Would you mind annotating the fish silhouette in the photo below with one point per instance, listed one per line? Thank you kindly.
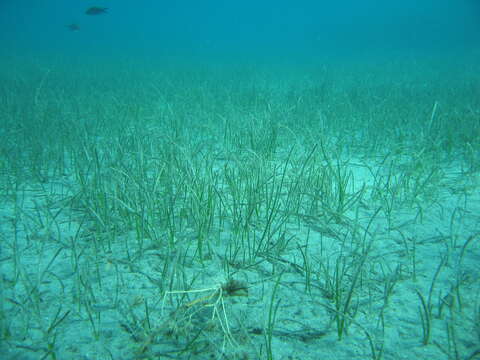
(95, 10)
(73, 27)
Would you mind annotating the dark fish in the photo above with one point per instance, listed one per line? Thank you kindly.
(73, 27)
(95, 10)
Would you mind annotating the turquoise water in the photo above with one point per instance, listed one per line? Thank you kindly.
(244, 181)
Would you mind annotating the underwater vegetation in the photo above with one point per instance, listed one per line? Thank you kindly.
(173, 213)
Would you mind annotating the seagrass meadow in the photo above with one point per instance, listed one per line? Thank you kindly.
(165, 211)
